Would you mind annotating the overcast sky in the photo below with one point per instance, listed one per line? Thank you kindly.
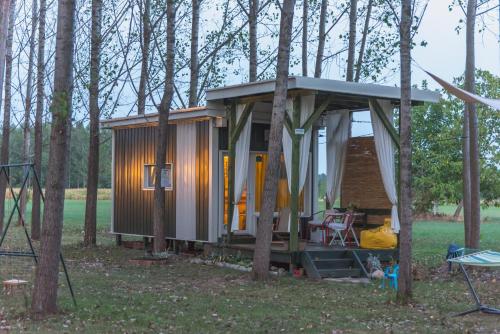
(444, 56)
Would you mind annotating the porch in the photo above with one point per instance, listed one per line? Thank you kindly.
(360, 173)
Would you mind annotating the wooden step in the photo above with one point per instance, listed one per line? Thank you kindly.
(329, 254)
(333, 263)
(336, 273)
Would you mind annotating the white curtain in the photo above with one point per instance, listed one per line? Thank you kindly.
(337, 135)
(242, 150)
(306, 109)
(385, 156)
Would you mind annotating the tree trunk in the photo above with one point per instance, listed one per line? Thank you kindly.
(353, 16)
(5, 13)
(4, 153)
(456, 214)
(252, 25)
(321, 39)
(28, 101)
(89, 238)
(44, 299)
(193, 64)
(470, 82)
(366, 30)
(305, 18)
(264, 228)
(405, 236)
(40, 95)
(146, 42)
(161, 148)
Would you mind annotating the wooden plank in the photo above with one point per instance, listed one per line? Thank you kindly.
(385, 121)
(294, 194)
(231, 116)
(241, 122)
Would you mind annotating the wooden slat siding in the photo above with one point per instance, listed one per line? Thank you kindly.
(202, 170)
(133, 210)
(362, 182)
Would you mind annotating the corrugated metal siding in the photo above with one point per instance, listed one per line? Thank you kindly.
(133, 207)
(186, 181)
(202, 179)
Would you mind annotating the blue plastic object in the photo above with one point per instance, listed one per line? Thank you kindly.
(391, 276)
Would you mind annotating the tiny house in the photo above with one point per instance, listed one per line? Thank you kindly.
(217, 156)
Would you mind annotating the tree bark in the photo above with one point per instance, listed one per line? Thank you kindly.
(44, 299)
(5, 13)
(264, 228)
(305, 18)
(405, 236)
(194, 63)
(28, 101)
(321, 39)
(470, 82)
(4, 153)
(89, 238)
(456, 214)
(40, 96)
(366, 30)
(146, 42)
(162, 135)
(351, 51)
(252, 31)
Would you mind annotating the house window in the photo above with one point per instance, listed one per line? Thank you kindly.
(166, 177)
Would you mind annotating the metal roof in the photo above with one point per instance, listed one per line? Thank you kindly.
(352, 90)
(175, 116)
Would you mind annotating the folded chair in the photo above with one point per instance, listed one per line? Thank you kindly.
(341, 230)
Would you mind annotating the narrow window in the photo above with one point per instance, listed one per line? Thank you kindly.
(166, 177)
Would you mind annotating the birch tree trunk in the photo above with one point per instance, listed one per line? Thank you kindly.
(28, 101)
(364, 37)
(470, 83)
(5, 13)
(89, 238)
(40, 96)
(321, 39)
(405, 234)
(44, 299)
(252, 32)
(162, 134)
(351, 51)
(145, 45)
(264, 228)
(4, 153)
(305, 18)
(193, 64)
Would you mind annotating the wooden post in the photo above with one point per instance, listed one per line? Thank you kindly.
(231, 116)
(294, 194)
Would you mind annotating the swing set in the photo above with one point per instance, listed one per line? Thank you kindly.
(28, 169)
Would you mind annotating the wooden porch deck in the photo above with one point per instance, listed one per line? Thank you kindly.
(281, 254)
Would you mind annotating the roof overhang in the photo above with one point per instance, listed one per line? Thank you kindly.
(350, 91)
(152, 119)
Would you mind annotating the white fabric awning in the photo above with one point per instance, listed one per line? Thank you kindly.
(465, 95)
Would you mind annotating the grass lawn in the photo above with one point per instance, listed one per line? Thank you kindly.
(117, 297)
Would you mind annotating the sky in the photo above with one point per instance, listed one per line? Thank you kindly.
(444, 56)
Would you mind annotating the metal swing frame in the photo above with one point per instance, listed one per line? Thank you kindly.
(28, 168)
(479, 307)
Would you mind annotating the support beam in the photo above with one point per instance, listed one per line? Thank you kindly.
(315, 115)
(294, 193)
(241, 122)
(288, 124)
(387, 124)
(231, 116)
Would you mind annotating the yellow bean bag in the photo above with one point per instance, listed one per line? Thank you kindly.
(379, 238)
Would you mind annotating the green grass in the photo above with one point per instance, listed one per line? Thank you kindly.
(489, 214)
(117, 297)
